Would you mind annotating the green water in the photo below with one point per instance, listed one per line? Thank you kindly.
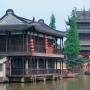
(80, 83)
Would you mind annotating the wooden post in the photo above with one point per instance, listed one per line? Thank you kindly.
(60, 67)
(32, 45)
(56, 42)
(23, 42)
(46, 44)
(47, 66)
(44, 66)
(37, 65)
(27, 42)
(56, 65)
(23, 65)
(9, 61)
(26, 66)
(60, 43)
(6, 42)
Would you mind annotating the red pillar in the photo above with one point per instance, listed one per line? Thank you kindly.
(46, 43)
(32, 46)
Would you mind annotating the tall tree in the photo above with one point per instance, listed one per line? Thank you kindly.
(52, 21)
(72, 45)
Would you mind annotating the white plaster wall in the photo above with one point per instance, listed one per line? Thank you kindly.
(3, 72)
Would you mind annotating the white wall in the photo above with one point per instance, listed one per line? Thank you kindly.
(3, 71)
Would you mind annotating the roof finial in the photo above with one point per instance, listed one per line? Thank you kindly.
(10, 11)
(33, 19)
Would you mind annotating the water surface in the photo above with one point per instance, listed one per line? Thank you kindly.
(80, 83)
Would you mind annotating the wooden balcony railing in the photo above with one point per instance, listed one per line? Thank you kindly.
(54, 51)
(84, 42)
(35, 71)
(85, 48)
(57, 51)
(40, 49)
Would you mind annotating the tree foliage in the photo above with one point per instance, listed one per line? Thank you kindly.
(72, 45)
(52, 21)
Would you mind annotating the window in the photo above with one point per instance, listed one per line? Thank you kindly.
(15, 43)
(39, 44)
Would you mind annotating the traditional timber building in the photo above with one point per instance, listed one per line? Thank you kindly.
(31, 47)
(83, 28)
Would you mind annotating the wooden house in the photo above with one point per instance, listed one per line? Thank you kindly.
(31, 47)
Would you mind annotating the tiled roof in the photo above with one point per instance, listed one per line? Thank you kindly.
(11, 19)
(11, 22)
(83, 16)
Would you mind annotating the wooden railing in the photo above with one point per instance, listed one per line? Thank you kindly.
(57, 51)
(54, 51)
(35, 71)
(85, 48)
(18, 71)
(84, 42)
(40, 49)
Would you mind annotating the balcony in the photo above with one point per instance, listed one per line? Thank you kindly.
(84, 42)
(85, 47)
(49, 50)
(21, 72)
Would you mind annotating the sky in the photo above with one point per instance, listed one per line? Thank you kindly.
(42, 9)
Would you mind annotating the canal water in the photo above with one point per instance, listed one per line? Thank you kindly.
(80, 83)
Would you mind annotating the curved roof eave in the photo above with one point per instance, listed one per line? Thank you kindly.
(48, 31)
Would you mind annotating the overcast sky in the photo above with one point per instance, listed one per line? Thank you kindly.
(44, 8)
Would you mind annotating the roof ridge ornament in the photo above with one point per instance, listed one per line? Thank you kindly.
(9, 11)
(41, 21)
(33, 19)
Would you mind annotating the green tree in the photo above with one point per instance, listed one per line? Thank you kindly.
(72, 45)
(52, 21)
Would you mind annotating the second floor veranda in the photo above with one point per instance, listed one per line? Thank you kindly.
(21, 44)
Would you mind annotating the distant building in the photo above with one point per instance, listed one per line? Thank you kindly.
(83, 28)
(30, 46)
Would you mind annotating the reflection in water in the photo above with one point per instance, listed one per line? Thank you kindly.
(80, 83)
(2, 86)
